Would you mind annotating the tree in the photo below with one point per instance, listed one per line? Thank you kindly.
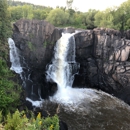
(70, 13)
(122, 15)
(104, 19)
(58, 17)
(27, 11)
(39, 14)
(5, 25)
(89, 20)
(16, 12)
(69, 4)
(9, 90)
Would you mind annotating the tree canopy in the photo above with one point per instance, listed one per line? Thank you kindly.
(114, 17)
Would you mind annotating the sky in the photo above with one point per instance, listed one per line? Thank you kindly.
(81, 5)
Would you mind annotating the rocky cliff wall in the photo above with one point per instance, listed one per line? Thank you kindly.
(105, 63)
(103, 55)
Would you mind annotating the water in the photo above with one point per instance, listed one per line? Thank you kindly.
(81, 109)
(60, 69)
(18, 65)
(14, 57)
(102, 112)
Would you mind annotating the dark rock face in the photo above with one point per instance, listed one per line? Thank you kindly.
(103, 55)
(104, 59)
(36, 38)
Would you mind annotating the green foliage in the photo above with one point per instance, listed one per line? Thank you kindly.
(28, 11)
(89, 19)
(51, 123)
(39, 14)
(104, 19)
(116, 17)
(30, 45)
(9, 90)
(58, 17)
(15, 121)
(45, 44)
(1, 116)
(5, 26)
(19, 121)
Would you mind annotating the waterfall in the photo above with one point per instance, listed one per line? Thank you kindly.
(14, 57)
(63, 63)
(62, 71)
(17, 65)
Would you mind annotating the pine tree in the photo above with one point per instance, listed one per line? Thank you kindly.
(5, 26)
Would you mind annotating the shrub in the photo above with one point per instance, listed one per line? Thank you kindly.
(15, 121)
(9, 90)
(19, 121)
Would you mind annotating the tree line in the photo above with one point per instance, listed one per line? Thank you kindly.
(116, 17)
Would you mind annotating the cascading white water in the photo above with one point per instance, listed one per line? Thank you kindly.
(14, 57)
(59, 70)
(18, 66)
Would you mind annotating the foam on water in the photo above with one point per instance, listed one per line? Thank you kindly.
(35, 103)
(74, 95)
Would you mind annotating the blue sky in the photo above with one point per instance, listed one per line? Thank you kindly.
(82, 5)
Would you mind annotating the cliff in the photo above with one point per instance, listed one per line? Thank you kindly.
(103, 55)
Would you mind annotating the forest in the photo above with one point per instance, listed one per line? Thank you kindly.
(115, 17)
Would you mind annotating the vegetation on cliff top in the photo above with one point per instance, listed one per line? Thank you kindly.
(115, 17)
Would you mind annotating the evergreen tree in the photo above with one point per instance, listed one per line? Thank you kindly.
(5, 26)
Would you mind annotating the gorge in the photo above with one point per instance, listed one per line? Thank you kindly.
(96, 58)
